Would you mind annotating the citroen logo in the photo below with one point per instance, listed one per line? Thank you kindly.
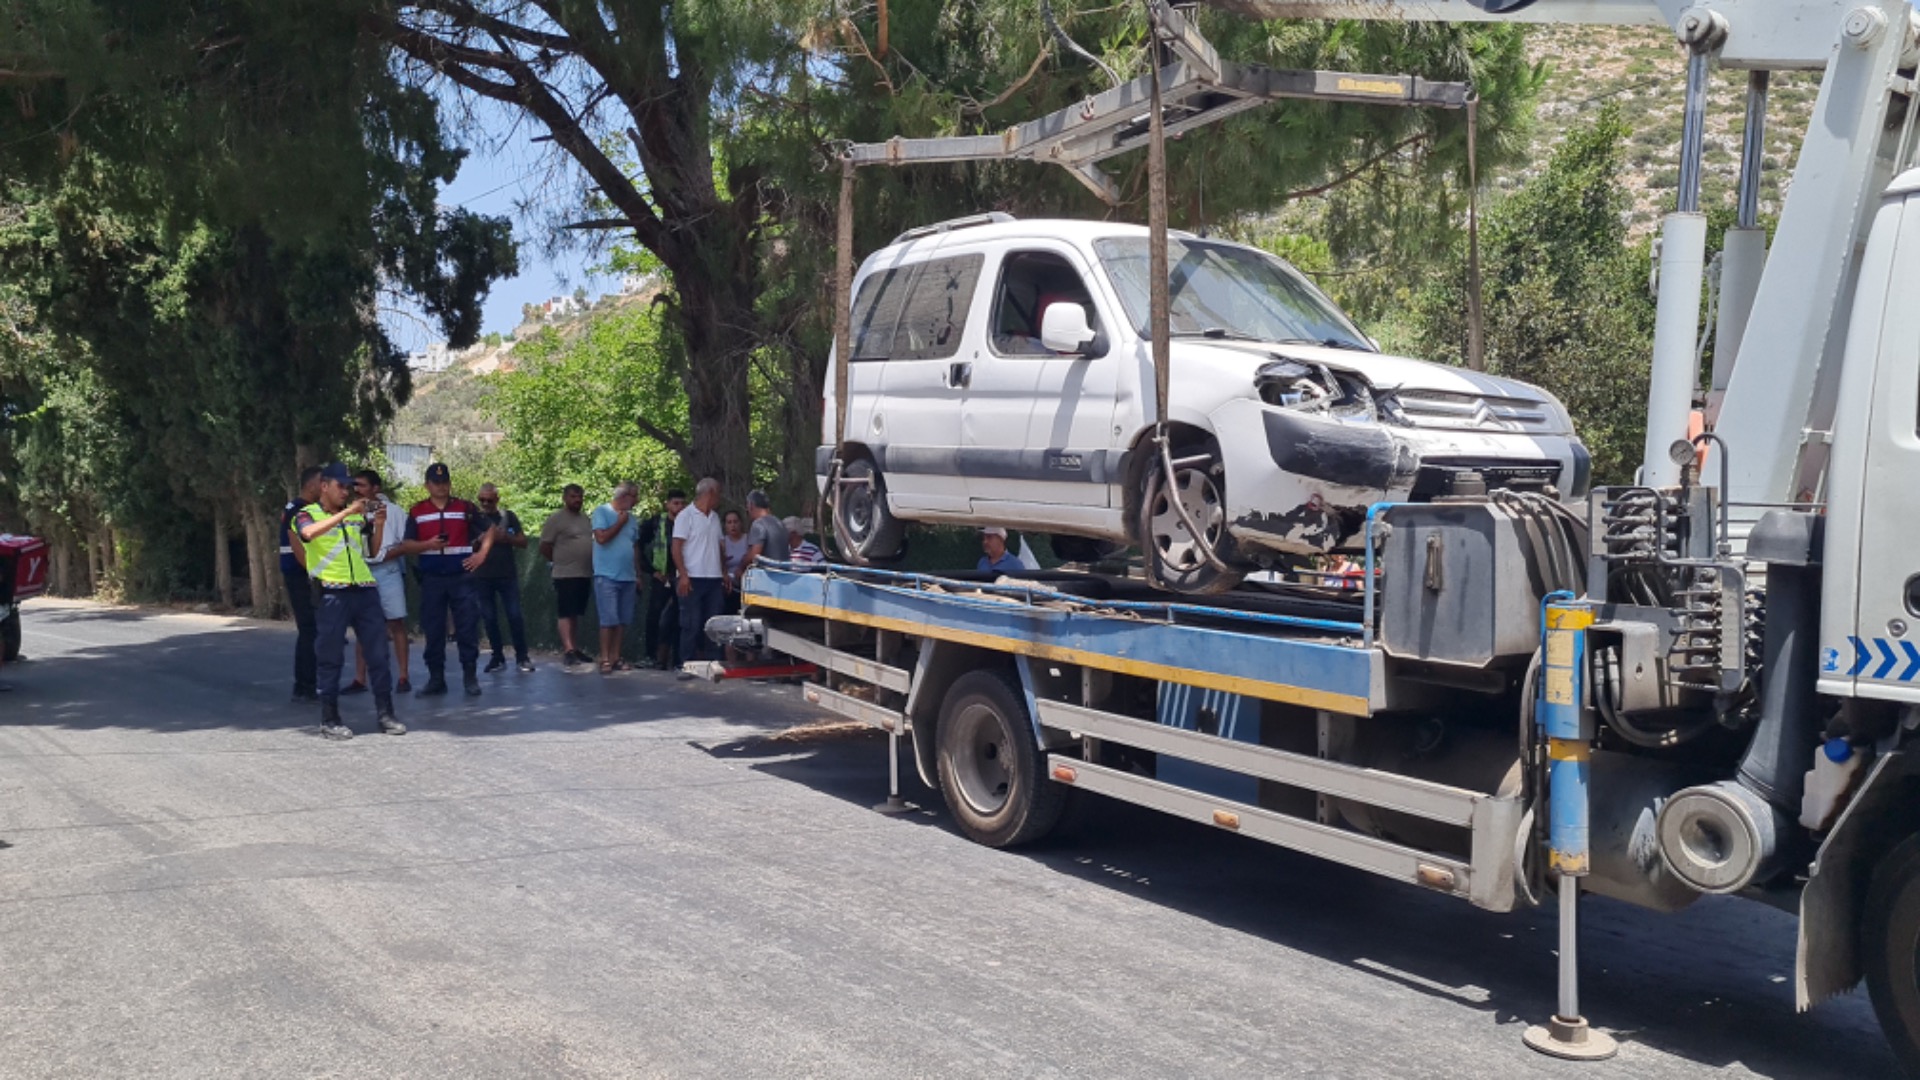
(1482, 415)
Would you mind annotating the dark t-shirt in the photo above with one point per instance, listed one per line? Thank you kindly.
(289, 564)
(500, 561)
(771, 534)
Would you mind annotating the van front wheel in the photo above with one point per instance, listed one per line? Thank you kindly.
(1176, 558)
(863, 527)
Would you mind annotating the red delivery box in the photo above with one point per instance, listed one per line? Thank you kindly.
(27, 555)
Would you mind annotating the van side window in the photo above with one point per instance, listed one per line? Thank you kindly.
(935, 316)
(1030, 282)
(916, 312)
(876, 311)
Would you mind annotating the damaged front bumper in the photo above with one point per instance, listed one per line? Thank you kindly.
(1301, 483)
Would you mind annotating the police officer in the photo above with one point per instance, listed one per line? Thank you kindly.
(337, 538)
(293, 573)
(452, 542)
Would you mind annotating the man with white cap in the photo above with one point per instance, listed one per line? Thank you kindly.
(994, 555)
(799, 548)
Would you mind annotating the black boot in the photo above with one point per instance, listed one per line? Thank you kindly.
(436, 684)
(390, 723)
(330, 725)
(472, 681)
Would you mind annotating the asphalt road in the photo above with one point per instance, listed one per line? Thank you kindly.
(628, 877)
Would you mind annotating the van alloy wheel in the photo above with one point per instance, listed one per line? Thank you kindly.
(1175, 559)
(1200, 496)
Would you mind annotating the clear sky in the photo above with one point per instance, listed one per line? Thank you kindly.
(504, 171)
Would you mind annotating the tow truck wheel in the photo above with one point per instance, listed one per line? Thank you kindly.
(1890, 950)
(992, 774)
(10, 636)
(1176, 559)
(863, 527)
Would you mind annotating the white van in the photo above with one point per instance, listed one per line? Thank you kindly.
(1002, 374)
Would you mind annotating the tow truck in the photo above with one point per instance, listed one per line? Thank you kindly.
(1703, 683)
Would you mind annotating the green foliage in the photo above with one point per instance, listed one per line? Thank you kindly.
(702, 135)
(1567, 306)
(576, 411)
(206, 206)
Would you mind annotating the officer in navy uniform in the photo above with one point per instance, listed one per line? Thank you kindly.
(337, 538)
(443, 531)
(293, 574)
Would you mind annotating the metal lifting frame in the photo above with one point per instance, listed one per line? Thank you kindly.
(1194, 89)
(1197, 88)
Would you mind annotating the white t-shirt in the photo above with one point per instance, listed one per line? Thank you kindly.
(702, 533)
(395, 532)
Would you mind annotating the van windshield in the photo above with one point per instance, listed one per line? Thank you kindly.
(1227, 291)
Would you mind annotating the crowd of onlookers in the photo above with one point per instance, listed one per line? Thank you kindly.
(671, 571)
(345, 545)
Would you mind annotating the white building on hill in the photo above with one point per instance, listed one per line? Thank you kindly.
(434, 358)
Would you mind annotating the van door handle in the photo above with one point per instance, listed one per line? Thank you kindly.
(959, 375)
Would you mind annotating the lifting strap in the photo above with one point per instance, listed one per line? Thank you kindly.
(1476, 313)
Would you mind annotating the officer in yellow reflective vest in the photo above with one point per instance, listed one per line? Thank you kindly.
(338, 538)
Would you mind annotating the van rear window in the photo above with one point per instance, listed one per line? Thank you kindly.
(916, 312)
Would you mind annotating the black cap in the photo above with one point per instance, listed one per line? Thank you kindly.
(438, 473)
(337, 471)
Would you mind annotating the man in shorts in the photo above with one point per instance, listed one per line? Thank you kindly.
(566, 541)
(616, 572)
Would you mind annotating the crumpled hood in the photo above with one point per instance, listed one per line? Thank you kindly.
(1383, 371)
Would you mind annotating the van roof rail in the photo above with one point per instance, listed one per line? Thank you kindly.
(995, 217)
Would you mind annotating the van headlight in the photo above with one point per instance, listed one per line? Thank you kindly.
(1316, 389)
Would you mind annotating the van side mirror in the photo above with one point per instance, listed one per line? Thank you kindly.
(1064, 329)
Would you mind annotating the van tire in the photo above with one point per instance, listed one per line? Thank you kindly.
(864, 528)
(993, 774)
(1172, 563)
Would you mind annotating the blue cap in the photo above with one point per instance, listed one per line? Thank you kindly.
(1838, 751)
(337, 471)
(438, 473)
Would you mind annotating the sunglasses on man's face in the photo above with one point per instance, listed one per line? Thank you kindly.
(488, 502)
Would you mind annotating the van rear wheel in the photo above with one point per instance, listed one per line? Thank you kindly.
(864, 528)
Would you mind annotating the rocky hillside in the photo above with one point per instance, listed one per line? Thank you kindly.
(1643, 73)
(445, 411)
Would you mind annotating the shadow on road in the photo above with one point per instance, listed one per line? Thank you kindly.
(238, 677)
(1712, 984)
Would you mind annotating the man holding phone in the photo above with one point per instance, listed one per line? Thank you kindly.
(452, 542)
(337, 539)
